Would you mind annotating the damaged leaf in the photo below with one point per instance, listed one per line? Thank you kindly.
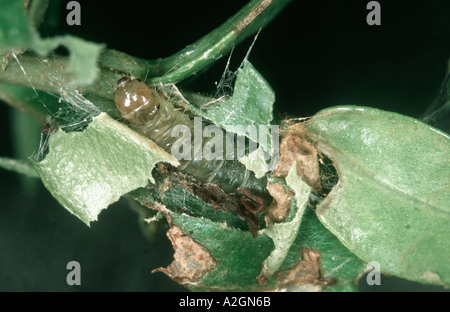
(17, 33)
(284, 256)
(251, 104)
(305, 275)
(181, 199)
(237, 254)
(392, 201)
(256, 162)
(294, 148)
(83, 56)
(281, 204)
(191, 260)
(86, 171)
(339, 268)
(284, 234)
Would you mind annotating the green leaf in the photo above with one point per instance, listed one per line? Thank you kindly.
(238, 256)
(283, 234)
(241, 263)
(438, 113)
(83, 56)
(251, 104)
(15, 30)
(250, 107)
(256, 162)
(86, 171)
(392, 201)
(178, 200)
(340, 268)
(42, 86)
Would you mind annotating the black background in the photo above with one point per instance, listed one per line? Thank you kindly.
(314, 55)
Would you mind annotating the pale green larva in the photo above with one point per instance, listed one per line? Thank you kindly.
(151, 115)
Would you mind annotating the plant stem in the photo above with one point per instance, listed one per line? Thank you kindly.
(199, 55)
(49, 74)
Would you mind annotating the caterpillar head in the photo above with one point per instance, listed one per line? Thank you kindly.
(134, 99)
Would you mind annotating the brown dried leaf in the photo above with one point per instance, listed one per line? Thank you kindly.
(305, 272)
(295, 148)
(191, 260)
(281, 205)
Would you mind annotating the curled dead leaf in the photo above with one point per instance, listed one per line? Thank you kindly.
(294, 147)
(281, 205)
(191, 260)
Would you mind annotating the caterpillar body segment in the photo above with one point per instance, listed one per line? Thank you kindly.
(154, 117)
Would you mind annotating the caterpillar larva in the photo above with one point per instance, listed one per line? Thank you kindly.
(151, 115)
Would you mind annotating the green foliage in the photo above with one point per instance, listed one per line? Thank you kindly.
(15, 29)
(251, 104)
(391, 203)
(17, 32)
(283, 234)
(87, 171)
